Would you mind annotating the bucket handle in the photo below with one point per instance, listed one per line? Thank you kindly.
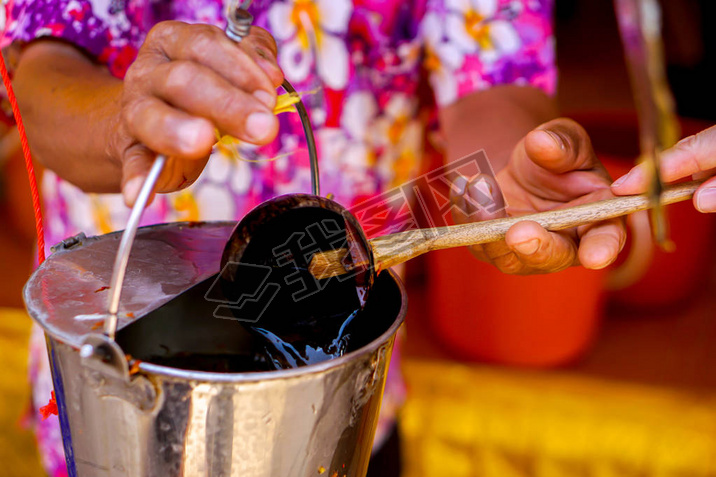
(125, 245)
(100, 351)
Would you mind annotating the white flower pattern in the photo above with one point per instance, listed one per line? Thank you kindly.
(473, 27)
(310, 32)
(442, 59)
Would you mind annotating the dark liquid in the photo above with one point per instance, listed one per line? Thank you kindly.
(266, 312)
(303, 320)
(185, 334)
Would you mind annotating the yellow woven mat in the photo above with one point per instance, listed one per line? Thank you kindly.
(18, 454)
(493, 422)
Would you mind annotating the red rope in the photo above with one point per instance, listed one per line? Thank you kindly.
(28, 161)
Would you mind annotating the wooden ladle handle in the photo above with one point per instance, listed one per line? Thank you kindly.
(393, 249)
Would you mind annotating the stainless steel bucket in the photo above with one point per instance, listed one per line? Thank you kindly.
(165, 421)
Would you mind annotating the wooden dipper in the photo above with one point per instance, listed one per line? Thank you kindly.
(393, 249)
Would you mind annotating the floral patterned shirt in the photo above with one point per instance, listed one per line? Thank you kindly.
(362, 61)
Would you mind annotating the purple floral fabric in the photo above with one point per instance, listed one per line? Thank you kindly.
(359, 61)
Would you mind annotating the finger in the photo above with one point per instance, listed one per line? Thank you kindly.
(560, 146)
(689, 156)
(554, 149)
(538, 250)
(705, 197)
(199, 91)
(261, 47)
(137, 162)
(167, 130)
(476, 198)
(209, 46)
(704, 175)
(601, 243)
(177, 174)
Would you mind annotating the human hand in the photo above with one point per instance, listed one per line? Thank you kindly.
(693, 156)
(552, 167)
(187, 81)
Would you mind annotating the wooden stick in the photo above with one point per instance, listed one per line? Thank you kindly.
(393, 249)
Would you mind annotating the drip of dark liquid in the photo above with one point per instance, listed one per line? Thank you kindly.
(267, 312)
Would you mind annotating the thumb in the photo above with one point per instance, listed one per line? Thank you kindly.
(560, 146)
(135, 168)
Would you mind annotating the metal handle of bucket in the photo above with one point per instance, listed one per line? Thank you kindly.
(101, 352)
(125, 245)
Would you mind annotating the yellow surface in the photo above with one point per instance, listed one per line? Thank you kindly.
(491, 422)
(481, 421)
(18, 455)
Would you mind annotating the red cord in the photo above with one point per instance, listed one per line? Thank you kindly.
(28, 161)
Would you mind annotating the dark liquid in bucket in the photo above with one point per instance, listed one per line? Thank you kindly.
(185, 334)
(268, 312)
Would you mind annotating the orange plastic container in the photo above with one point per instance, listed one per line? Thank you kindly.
(479, 313)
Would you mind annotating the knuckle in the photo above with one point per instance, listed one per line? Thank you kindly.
(161, 31)
(229, 107)
(180, 75)
(689, 143)
(204, 39)
(691, 147)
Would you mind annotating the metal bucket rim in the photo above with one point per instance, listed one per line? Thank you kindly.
(254, 376)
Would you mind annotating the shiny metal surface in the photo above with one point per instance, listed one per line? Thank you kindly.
(171, 422)
(125, 245)
(310, 139)
(238, 20)
(67, 294)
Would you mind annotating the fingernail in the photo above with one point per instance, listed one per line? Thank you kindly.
(266, 98)
(262, 53)
(529, 247)
(555, 137)
(131, 189)
(258, 124)
(706, 200)
(604, 258)
(621, 180)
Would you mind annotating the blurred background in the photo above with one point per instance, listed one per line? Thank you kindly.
(580, 373)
